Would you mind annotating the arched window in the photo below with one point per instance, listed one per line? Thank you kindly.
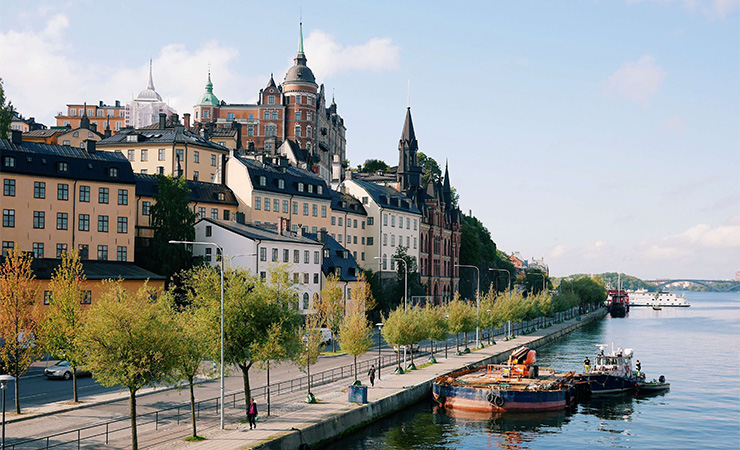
(308, 131)
(297, 131)
(305, 301)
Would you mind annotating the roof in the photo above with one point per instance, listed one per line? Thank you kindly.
(44, 133)
(200, 191)
(44, 268)
(149, 94)
(338, 256)
(35, 158)
(345, 202)
(387, 197)
(168, 135)
(259, 233)
(208, 99)
(291, 176)
(300, 154)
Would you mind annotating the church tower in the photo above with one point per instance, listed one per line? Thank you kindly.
(408, 173)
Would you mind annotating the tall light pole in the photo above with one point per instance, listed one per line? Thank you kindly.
(218, 250)
(508, 279)
(380, 361)
(477, 305)
(4, 379)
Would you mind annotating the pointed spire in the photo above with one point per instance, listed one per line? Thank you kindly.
(151, 81)
(447, 189)
(300, 41)
(84, 121)
(408, 136)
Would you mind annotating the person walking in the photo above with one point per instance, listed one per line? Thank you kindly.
(371, 374)
(252, 414)
(638, 366)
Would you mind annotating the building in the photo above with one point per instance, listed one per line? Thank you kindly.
(295, 110)
(337, 261)
(102, 115)
(520, 264)
(257, 250)
(20, 123)
(56, 198)
(46, 136)
(146, 108)
(167, 148)
(348, 224)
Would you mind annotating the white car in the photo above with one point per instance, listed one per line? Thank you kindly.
(326, 336)
(63, 370)
(414, 348)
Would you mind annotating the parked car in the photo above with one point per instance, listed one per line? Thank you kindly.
(63, 370)
(325, 336)
(414, 348)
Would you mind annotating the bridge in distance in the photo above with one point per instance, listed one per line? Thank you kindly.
(715, 285)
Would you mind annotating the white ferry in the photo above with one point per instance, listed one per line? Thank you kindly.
(642, 297)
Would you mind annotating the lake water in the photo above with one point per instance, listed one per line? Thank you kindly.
(696, 348)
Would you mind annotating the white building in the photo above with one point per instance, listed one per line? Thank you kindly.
(392, 220)
(257, 250)
(145, 109)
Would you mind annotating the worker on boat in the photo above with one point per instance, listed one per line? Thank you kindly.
(638, 366)
(587, 365)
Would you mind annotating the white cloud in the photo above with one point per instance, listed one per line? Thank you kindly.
(558, 251)
(636, 81)
(327, 57)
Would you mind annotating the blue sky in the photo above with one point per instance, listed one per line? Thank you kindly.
(600, 135)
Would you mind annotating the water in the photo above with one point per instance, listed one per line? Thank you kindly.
(696, 348)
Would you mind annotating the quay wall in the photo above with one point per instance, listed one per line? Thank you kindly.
(328, 429)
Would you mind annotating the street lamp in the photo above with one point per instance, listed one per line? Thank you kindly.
(508, 279)
(380, 361)
(218, 250)
(4, 379)
(477, 305)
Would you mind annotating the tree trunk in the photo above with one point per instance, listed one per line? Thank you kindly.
(192, 406)
(431, 347)
(16, 390)
(308, 372)
(247, 390)
(466, 339)
(357, 376)
(132, 413)
(457, 342)
(333, 343)
(75, 398)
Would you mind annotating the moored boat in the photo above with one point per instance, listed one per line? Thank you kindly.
(612, 373)
(658, 385)
(617, 302)
(519, 385)
(642, 297)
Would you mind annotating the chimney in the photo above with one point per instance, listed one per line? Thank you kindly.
(89, 145)
(174, 119)
(162, 121)
(186, 118)
(118, 103)
(16, 137)
(284, 225)
(240, 217)
(101, 103)
(322, 236)
(94, 126)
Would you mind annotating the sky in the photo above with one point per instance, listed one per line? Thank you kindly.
(601, 135)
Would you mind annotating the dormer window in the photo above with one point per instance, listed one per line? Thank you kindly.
(281, 184)
(63, 166)
(76, 134)
(112, 172)
(319, 189)
(263, 180)
(9, 161)
(310, 188)
(132, 138)
(221, 196)
(300, 187)
(327, 253)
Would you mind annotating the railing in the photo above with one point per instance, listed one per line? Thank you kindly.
(104, 432)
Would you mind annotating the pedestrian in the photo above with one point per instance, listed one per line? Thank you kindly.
(587, 365)
(252, 414)
(638, 366)
(371, 374)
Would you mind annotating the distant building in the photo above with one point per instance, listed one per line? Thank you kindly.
(338, 261)
(147, 107)
(102, 115)
(520, 264)
(25, 125)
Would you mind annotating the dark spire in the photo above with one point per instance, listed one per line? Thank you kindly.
(408, 137)
(408, 173)
(84, 121)
(300, 57)
(107, 133)
(447, 189)
(271, 83)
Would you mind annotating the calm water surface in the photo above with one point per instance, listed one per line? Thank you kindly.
(696, 348)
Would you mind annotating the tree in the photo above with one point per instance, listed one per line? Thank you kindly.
(478, 249)
(309, 352)
(6, 113)
(372, 166)
(64, 321)
(431, 169)
(461, 319)
(533, 280)
(414, 285)
(131, 340)
(490, 316)
(356, 333)
(330, 307)
(435, 325)
(19, 321)
(404, 327)
(172, 219)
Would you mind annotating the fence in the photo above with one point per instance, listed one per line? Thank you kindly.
(106, 431)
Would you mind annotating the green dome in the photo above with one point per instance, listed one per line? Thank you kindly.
(208, 98)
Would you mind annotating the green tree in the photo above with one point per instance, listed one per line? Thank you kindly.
(6, 113)
(490, 316)
(404, 327)
(436, 326)
(355, 333)
(535, 279)
(478, 249)
(461, 319)
(131, 340)
(372, 166)
(172, 219)
(19, 320)
(431, 169)
(330, 306)
(64, 321)
(409, 263)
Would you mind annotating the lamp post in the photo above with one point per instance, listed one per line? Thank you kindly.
(508, 279)
(477, 305)
(4, 379)
(380, 361)
(218, 250)
(447, 338)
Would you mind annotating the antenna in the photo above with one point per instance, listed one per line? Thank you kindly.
(408, 95)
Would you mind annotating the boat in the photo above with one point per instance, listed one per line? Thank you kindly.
(617, 302)
(612, 373)
(658, 385)
(519, 385)
(657, 307)
(642, 297)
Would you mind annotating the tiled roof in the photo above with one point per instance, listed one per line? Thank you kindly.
(260, 233)
(347, 203)
(387, 197)
(291, 176)
(96, 270)
(34, 158)
(338, 257)
(200, 191)
(43, 133)
(157, 135)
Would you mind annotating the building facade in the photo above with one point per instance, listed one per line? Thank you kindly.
(102, 115)
(145, 109)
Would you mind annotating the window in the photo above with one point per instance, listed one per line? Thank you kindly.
(102, 253)
(298, 131)
(305, 209)
(121, 253)
(310, 188)
(122, 225)
(364, 200)
(315, 210)
(113, 172)
(8, 217)
(319, 189)
(63, 167)
(414, 224)
(61, 249)
(370, 240)
(281, 184)
(385, 262)
(308, 132)
(62, 191)
(267, 115)
(209, 253)
(408, 223)
(305, 281)
(196, 174)
(333, 220)
(362, 256)
(179, 154)
(363, 224)
(323, 210)
(132, 155)
(393, 221)
(62, 221)
(213, 160)
(227, 214)
(316, 257)
(306, 257)
(270, 99)
(298, 115)
(7, 246)
(305, 297)
(103, 224)
(146, 208)
(385, 238)
(385, 220)
(202, 212)
(363, 240)
(9, 187)
(196, 156)
(313, 230)
(371, 220)
(339, 238)
(250, 130)
(285, 206)
(9, 161)
(414, 241)
(39, 219)
(263, 254)
(83, 222)
(214, 213)
(296, 256)
(39, 189)
(84, 193)
(84, 251)
(295, 207)
(230, 116)
(72, 111)
(123, 196)
(407, 241)
(145, 155)
(267, 203)
(286, 255)
(76, 134)
(258, 203)
(103, 195)
(274, 255)
(354, 239)
(161, 155)
(316, 278)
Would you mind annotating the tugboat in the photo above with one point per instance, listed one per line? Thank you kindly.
(612, 373)
(519, 385)
(617, 302)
